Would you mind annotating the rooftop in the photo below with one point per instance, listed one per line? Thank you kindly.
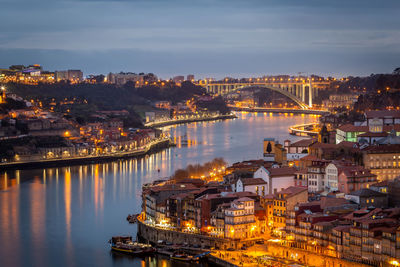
(365, 192)
(382, 114)
(253, 181)
(383, 149)
(292, 190)
(283, 171)
(303, 143)
(381, 184)
(371, 134)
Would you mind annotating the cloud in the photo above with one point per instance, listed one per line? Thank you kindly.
(212, 28)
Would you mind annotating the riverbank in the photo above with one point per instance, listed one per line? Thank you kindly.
(188, 120)
(282, 110)
(228, 252)
(300, 129)
(272, 254)
(152, 147)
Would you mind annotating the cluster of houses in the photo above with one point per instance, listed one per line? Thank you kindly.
(28, 132)
(339, 199)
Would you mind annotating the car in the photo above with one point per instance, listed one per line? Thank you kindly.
(260, 242)
(230, 249)
(243, 248)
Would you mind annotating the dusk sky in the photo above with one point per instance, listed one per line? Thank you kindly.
(210, 38)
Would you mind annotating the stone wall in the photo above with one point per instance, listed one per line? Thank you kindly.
(153, 234)
(308, 258)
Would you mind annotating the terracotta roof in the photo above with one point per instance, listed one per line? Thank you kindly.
(383, 149)
(173, 187)
(370, 134)
(348, 144)
(292, 190)
(364, 213)
(269, 197)
(252, 181)
(327, 202)
(323, 145)
(343, 228)
(365, 192)
(381, 184)
(303, 143)
(180, 196)
(382, 113)
(227, 195)
(353, 128)
(356, 172)
(309, 157)
(242, 199)
(283, 171)
(385, 229)
(364, 129)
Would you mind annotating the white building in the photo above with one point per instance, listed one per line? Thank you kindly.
(254, 185)
(331, 177)
(277, 178)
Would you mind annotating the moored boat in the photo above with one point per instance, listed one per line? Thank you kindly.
(181, 256)
(125, 244)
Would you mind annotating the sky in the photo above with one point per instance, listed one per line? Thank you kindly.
(208, 38)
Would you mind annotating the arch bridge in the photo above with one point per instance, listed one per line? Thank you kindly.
(294, 91)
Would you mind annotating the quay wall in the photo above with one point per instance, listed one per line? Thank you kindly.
(220, 262)
(153, 234)
(308, 258)
(86, 160)
(173, 122)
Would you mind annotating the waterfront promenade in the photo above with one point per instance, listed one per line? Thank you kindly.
(272, 254)
(155, 145)
(227, 252)
(300, 129)
(280, 110)
(194, 118)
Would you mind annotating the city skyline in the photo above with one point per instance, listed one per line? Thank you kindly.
(209, 39)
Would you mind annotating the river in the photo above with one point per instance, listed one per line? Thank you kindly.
(65, 216)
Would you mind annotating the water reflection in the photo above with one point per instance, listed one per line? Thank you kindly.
(64, 216)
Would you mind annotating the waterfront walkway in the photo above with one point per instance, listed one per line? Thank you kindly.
(194, 118)
(272, 254)
(280, 110)
(140, 151)
(300, 129)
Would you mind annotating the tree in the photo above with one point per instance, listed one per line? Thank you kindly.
(269, 148)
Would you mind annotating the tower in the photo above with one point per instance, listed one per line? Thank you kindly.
(310, 94)
(2, 95)
(323, 135)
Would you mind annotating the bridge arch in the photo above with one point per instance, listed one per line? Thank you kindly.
(297, 100)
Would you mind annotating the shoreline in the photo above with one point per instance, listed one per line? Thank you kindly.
(278, 110)
(62, 162)
(296, 129)
(181, 121)
(222, 257)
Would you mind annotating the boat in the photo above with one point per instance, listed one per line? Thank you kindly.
(132, 218)
(181, 256)
(124, 244)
